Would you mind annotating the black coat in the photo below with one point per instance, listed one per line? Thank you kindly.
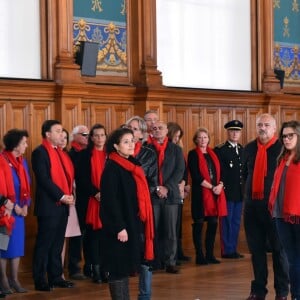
(148, 159)
(119, 210)
(231, 170)
(84, 187)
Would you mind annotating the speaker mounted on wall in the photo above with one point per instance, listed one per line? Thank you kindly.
(279, 74)
(86, 57)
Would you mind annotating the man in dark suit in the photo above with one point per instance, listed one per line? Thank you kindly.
(171, 167)
(230, 155)
(54, 175)
(79, 141)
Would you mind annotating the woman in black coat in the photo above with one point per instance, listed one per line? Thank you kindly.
(121, 212)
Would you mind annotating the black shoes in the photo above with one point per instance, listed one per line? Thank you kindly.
(212, 260)
(45, 287)
(63, 284)
(233, 255)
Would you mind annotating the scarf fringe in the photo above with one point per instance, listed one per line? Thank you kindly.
(292, 219)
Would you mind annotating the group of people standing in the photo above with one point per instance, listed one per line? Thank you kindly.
(118, 199)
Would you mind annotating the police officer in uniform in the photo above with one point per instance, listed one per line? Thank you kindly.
(230, 155)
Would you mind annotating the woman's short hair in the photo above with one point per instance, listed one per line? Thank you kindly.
(13, 137)
(115, 138)
(200, 129)
(141, 121)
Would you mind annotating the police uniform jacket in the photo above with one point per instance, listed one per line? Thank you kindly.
(231, 170)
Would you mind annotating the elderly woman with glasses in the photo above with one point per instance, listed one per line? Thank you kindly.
(285, 198)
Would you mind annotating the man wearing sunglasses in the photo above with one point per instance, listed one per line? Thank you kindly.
(79, 141)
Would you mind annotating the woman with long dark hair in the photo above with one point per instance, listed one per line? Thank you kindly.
(91, 163)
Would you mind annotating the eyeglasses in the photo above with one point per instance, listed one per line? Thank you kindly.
(84, 134)
(288, 136)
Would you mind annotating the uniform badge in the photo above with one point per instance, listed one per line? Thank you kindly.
(230, 164)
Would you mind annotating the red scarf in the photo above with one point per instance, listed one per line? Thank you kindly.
(97, 165)
(137, 148)
(61, 168)
(150, 139)
(144, 200)
(160, 149)
(6, 220)
(212, 206)
(291, 198)
(260, 169)
(7, 188)
(17, 164)
(76, 146)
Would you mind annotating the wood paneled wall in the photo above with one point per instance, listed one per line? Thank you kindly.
(63, 94)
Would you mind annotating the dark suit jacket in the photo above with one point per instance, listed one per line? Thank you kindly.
(173, 168)
(48, 194)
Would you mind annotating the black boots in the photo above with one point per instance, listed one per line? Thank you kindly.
(197, 239)
(119, 289)
(96, 275)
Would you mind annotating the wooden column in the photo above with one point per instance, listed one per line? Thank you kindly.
(150, 76)
(66, 71)
(270, 84)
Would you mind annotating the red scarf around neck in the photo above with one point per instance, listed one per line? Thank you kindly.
(212, 206)
(137, 148)
(260, 169)
(291, 207)
(97, 165)
(7, 188)
(76, 146)
(61, 168)
(144, 200)
(17, 164)
(160, 149)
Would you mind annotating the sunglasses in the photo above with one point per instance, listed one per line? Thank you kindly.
(84, 134)
(288, 136)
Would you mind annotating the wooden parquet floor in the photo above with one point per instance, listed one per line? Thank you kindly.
(229, 280)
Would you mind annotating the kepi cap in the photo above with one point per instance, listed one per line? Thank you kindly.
(234, 124)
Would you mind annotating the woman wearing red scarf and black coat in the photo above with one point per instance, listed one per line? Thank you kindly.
(260, 156)
(125, 207)
(208, 197)
(88, 171)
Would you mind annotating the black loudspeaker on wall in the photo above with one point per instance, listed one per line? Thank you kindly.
(86, 57)
(280, 75)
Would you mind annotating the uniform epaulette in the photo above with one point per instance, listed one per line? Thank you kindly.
(220, 145)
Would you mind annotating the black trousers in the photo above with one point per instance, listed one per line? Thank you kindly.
(50, 237)
(259, 227)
